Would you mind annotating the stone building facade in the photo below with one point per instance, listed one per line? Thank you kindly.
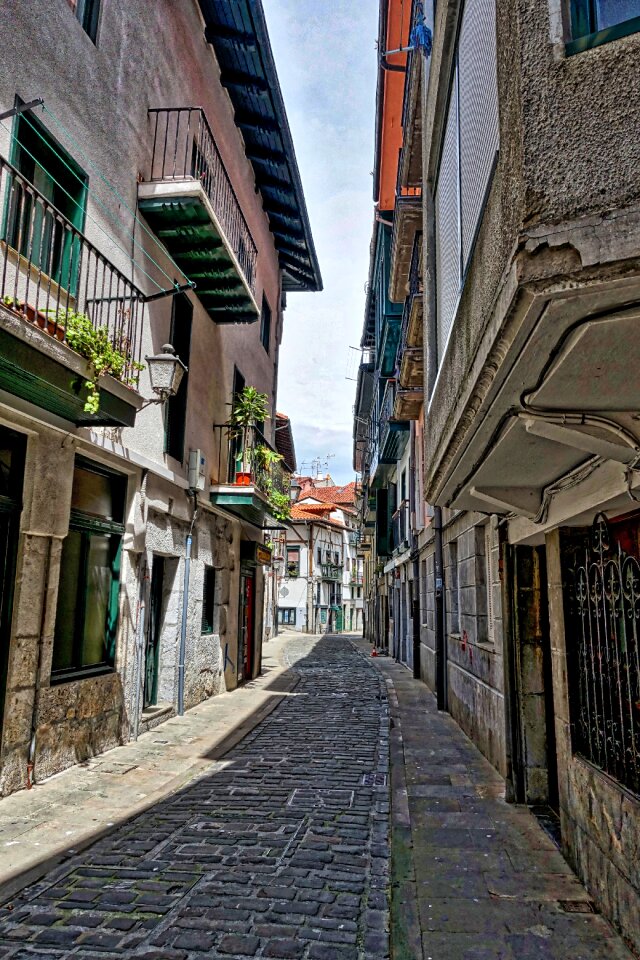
(529, 554)
(134, 202)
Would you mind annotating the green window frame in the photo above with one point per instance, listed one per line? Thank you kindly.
(265, 325)
(34, 232)
(589, 26)
(176, 409)
(293, 562)
(208, 600)
(89, 589)
(88, 13)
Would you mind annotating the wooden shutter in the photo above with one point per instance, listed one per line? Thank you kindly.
(478, 114)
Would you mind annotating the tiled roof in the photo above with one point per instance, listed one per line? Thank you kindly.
(315, 511)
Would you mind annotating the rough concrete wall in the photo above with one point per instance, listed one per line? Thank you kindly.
(567, 151)
(428, 625)
(600, 821)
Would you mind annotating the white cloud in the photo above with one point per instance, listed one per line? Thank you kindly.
(325, 55)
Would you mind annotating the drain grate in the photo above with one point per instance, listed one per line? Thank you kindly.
(577, 906)
(374, 780)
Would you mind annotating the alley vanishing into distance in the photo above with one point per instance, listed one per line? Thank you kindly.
(354, 795)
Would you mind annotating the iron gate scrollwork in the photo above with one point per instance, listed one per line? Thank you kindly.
(602, 609)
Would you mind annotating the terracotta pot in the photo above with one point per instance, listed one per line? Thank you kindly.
(243, 479)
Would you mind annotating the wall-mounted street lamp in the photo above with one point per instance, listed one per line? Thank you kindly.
(166, 371)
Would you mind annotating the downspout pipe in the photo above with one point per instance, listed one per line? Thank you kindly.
(185, 605)
(441, 640)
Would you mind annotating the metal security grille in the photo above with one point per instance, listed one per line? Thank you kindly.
(478, 98)
(602, 614)
(447, 205)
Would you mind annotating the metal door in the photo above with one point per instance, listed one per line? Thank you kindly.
(154, 629)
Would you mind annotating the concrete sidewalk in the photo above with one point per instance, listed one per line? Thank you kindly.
(474, 878)
(61, 815)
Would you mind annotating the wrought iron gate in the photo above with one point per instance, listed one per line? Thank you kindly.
(602, 625)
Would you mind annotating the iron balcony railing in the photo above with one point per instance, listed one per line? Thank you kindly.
(410, 192)
(400, 520)
(184, 149)
(331, 571)
(386, 409)
(246, 458)
(53, 277)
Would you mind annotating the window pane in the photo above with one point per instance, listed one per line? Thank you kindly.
(92, 493)
(67, 601)
(610, 12)
(98, 587)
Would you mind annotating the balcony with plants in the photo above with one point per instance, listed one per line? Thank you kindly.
(189, 202)
(70, 321)
(250, 479)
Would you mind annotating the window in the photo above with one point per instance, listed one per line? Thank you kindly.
(320, 555)
(265, 325)
(287, 616)
(176, 407)
(88, 13)
(451, 581)
(87, 614)
(29, 227)
(318, 593)
(469, 151)
(597, 21)
(208, 599)
(293, 562)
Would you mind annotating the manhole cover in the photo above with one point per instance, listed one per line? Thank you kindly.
(577, 906)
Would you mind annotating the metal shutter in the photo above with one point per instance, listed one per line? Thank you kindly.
(447, 214)
(478, 105)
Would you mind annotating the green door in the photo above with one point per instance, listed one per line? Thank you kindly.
(154, 629)
(12, 451)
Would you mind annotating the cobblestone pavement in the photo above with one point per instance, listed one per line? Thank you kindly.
(280, 850)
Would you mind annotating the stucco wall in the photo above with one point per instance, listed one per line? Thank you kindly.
(566, 152)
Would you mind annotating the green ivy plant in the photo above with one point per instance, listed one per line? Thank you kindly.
(94, 344)
(280, 503)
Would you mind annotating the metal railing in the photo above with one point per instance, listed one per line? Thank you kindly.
(415, 289)
(53, 277)
(406, 191)
(246, 458)
(331, 571)
(184, 149)
(386, 409)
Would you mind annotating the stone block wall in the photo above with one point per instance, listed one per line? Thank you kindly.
(600, 819)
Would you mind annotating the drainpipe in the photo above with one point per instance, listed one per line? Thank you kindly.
(185, 605)
(441, 640)
(415, 602)
(31, 757)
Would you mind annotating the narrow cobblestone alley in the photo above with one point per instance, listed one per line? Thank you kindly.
(279, 851)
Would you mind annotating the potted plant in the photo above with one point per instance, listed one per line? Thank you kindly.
(249, 408)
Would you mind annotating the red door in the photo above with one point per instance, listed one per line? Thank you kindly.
(246, 624)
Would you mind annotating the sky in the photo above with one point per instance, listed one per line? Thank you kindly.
(327, 64)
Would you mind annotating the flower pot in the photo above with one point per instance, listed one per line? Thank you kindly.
(243, 479)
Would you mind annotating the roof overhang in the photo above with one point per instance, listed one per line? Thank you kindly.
(237, 30)
(564, 400)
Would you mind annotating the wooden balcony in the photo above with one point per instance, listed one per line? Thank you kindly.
(190, 204)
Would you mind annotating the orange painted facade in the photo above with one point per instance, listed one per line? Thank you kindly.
(397, 35)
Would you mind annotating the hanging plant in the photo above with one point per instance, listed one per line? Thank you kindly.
(249, 408)
(94, 345)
